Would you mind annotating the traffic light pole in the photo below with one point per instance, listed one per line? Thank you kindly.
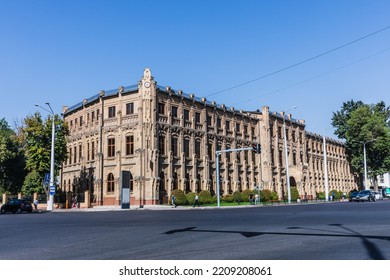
(256, 148)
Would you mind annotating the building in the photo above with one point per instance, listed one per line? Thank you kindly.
(166, 139)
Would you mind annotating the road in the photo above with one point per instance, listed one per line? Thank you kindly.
(328, 231)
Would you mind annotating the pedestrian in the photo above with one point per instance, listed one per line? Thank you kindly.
(251, 198)
(173, 199)
(256, 199)
(196, 202)
(36, 204)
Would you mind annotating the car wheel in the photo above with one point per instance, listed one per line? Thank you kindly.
(2, 211)
(19, 211)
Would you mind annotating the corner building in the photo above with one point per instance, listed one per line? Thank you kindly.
(167, 140)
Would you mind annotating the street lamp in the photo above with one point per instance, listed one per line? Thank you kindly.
(365, 161)
(51, 187)
(286, 154)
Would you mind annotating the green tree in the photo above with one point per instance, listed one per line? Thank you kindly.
(361, 124)
(36, 136)
(12, 160)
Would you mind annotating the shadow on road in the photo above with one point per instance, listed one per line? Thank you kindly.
(372, 250)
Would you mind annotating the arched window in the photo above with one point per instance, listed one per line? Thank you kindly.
(110, 183)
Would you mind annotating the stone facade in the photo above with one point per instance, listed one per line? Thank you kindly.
(167, 140)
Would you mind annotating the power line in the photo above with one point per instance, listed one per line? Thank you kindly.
(301, 62)
(315, 77)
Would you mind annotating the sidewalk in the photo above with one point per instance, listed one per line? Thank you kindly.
(169, 207)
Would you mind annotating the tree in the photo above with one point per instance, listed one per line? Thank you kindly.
(11, 160)
(366, 125)
(36, 135)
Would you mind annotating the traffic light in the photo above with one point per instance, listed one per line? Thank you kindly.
(257, 148)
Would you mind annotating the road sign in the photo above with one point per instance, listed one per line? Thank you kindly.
(52, 190)
(46, 180)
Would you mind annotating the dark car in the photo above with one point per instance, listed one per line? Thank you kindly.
(353, 196)
(16, 206)
(366, 195)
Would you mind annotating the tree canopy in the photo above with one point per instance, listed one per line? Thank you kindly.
(36, 136)
(12, 161)
(365, 125)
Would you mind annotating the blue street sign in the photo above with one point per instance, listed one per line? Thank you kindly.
(46, 180)
(52, 190)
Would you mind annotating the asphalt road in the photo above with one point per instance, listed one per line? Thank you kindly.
(332, 231)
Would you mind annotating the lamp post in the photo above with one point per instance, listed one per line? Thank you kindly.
(286, 155)
(365, 161)
(52, 186)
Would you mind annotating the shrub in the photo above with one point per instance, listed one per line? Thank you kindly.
(294, 194)
(320, 195)
(214, 199)
(274, 196)
(204, 197)
(265, 195)
(190, 197)
(228, 198)
(180, 197)
(245, 194)
(237, 197)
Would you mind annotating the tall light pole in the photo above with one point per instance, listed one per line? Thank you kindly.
(286, 155)
(52, 186)
(365, 162)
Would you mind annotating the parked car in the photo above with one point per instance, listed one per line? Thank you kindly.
(366, 195)
(353, 196)
(16, 206)
(378, 195)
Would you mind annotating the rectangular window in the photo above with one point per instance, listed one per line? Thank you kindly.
(245, 129)
(93, 150)
(210, 151)
(174, 112)
(237, 127)
(111, 147)
(97, 114)
(161, 108)
(209, 119)
(186, 115)
(197, 117)
(81, 121)
(197, 148)
(161, 145)
(219, 123)
(92, 115)
(88, 151)
(227, 125)
(175, 148)
(129, 145)
(74, 154)
(111, 112)
(187, 148)
(80, 152)
(130, 108)
(70, 155)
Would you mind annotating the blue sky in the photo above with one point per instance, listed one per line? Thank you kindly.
(64, 51)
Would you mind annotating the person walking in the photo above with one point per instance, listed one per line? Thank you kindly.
(256, 199)
(36, 204)
(196, 202)
(173, 199)
(251, 198)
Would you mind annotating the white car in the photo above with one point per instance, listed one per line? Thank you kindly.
(378, 196)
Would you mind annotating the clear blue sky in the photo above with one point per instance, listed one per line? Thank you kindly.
(64, 51)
